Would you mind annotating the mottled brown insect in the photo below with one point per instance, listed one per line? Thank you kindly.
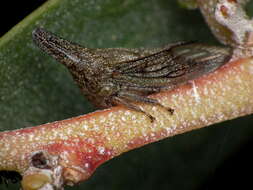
(117, 76)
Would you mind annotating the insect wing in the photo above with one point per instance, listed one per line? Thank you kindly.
(171, 67)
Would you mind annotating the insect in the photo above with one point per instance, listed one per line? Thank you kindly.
(117, 76)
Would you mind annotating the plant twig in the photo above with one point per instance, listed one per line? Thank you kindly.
(72, 149)
(67, 152)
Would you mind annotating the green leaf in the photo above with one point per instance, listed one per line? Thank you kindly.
(34, 89)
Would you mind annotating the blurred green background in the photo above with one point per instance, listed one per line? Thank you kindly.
(34, 89)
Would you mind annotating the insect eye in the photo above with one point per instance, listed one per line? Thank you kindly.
(39, 160)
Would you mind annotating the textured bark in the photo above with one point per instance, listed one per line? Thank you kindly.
(82, 143)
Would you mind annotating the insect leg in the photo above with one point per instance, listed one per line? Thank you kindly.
(138, 98)
(125, 102)
(128, 99)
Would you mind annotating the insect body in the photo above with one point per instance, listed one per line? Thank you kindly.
(116, 76)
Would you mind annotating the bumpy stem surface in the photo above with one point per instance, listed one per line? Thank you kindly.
(72, 149)
(67, 152)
